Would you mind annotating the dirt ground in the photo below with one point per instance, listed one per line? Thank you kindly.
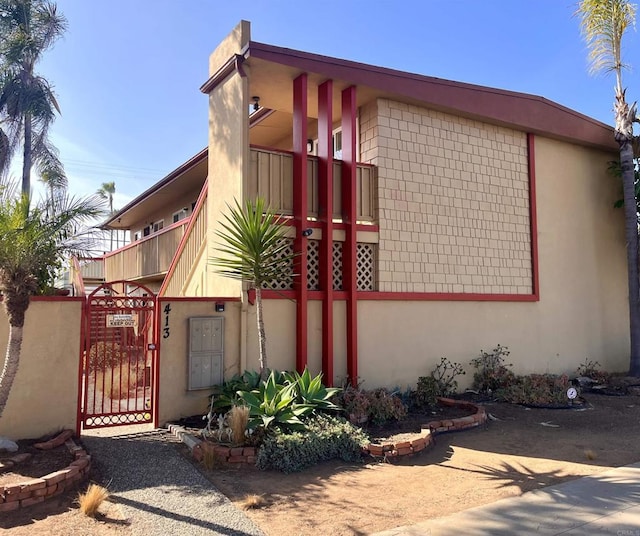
(523, 449)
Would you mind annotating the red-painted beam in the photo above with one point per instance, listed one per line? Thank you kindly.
(533, 215)
(349, 251)
(325, 197)
(300, 211)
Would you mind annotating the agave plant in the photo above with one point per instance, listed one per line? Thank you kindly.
(310, 390)
(275, 405)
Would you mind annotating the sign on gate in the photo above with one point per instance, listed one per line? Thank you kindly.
(121, 321)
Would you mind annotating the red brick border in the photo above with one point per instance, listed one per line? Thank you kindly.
(386, 451)
(37, 490)
(425, 438)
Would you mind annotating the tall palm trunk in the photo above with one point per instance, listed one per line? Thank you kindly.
(625, 115)
(262, 340)
(10, 368)
(27, 156)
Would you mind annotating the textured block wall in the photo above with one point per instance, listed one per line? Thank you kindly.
(453, 198)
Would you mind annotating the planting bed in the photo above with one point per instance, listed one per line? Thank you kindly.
(41, 470)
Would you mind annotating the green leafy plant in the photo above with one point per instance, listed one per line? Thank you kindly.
(325, 438)
(492, 372)
(274, 405)
(426, 393)
(311, 391)
(226, 395)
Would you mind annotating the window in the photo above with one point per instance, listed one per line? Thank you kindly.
(146, 231)
(158, 225)
(136, 236)
(180, 215)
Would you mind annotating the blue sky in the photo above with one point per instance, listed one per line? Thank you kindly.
(128, 72)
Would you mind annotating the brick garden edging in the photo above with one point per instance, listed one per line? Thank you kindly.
(387, 451)
(425, 438)
(37, 490)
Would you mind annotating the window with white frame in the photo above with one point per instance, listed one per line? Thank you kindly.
(180, 214)
(157, 225)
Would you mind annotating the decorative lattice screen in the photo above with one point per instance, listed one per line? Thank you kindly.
(313, 265)
(366, 266)
(365, 274)
(337, 266)
(286, 282)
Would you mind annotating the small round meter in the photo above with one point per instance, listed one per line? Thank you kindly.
(571, 393)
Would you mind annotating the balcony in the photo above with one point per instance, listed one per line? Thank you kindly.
(271, 177)
(146, 259)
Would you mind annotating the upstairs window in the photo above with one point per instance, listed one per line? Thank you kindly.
(158, 225)
(180, 215)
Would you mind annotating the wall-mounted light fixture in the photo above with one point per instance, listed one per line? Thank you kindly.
(220, 307)
(307, 232)
(256, 103)
(309, 146)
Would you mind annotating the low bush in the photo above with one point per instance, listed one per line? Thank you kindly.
(325, 438)
(592, 369)
(376, 405)
(492, 370)
(537, 390)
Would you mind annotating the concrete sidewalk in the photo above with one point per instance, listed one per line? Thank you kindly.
(604, 504)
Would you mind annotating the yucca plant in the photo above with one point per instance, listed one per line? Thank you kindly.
(254, 250)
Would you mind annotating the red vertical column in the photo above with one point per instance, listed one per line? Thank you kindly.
(325, 197)
(349, 252)
(300, 211)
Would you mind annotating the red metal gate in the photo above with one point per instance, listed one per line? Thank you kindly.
(119, 356)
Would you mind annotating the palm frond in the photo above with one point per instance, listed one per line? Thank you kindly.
(253, 244)
(603, 23)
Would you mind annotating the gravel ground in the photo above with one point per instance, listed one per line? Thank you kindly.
(161, 492)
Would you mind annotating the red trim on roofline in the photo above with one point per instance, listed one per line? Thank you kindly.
(522, 111)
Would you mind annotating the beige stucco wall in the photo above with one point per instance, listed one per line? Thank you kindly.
(453, 199)
(228, 149)
(175, 400)
(582, 312)
(44, 395)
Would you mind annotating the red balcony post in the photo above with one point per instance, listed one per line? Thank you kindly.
(349, 251)
(300, 211)
(325, 214)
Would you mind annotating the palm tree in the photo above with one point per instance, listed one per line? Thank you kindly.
(254, 250)
(33, 242)
(27, 102)
(106, 191)
(603, 24)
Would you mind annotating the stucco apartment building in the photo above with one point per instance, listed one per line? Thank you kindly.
(433, 218)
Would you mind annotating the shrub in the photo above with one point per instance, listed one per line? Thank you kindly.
(377, 405)
(591, 369)
(445, 375)
(311, 391)
(385, 406)
(325, 438)
(91, 500)
(537, 389)
(492, 372)
(426, 392)
(238, 420)
(225, 396)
